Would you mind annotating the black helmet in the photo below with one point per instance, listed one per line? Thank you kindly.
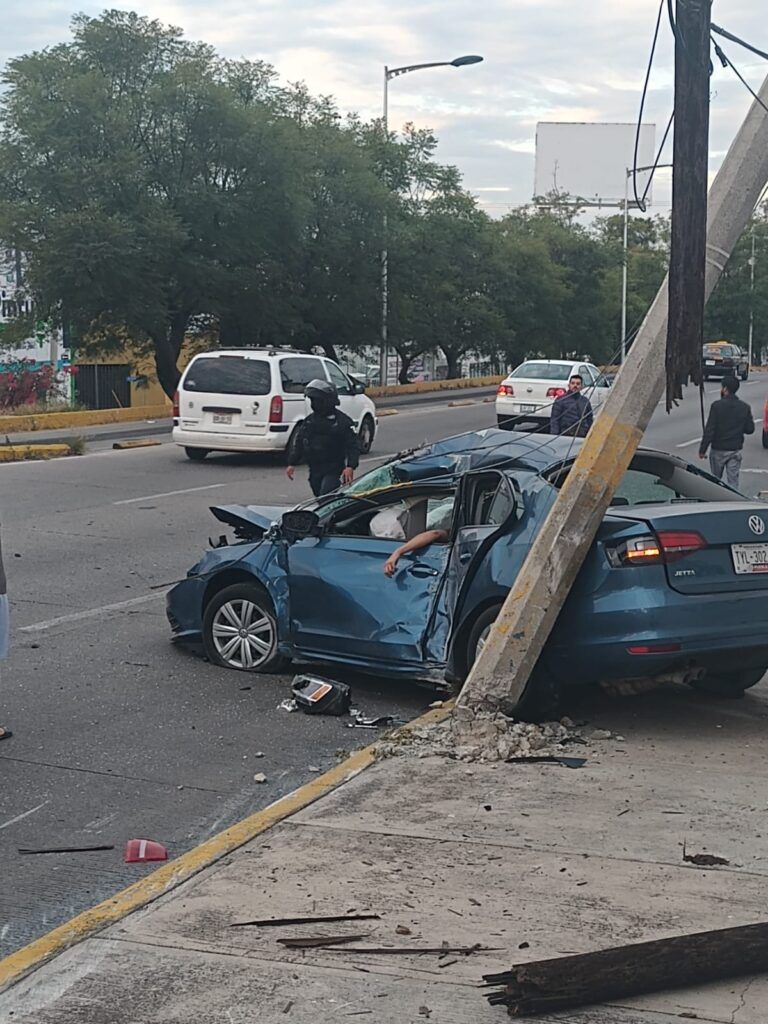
(323, 390)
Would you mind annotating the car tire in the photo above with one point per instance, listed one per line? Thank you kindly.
(242, 607)
(729, 684)
(542, 694)
(765, 439)
(196, 454)
(366, 435)
(745, 375)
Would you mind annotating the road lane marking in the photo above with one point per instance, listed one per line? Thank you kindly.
(26, 814)
(168, 494)
(90, 613)
(686, 443)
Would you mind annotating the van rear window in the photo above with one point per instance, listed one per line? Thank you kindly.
(229, 375)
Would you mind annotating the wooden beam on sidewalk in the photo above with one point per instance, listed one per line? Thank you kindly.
(499, 677)
(565, 982)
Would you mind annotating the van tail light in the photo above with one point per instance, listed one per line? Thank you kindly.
(176, 412)
(667, 546)
(506, 390)
(556, 392)
(276, 410)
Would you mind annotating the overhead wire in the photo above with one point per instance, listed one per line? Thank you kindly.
(638, 201)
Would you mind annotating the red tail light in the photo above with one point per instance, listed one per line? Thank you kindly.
(667, 546)
(176, 412)
(507, 390)
(676, 544)
(556, 392)
(276, 410)
(654, 649)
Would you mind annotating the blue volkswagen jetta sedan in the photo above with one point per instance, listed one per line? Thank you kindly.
(675, 584)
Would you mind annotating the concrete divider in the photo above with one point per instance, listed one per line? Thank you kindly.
(87, 418)
(26, 452)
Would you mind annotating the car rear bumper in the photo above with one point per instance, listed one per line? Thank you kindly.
(717, 631)
(272, 441)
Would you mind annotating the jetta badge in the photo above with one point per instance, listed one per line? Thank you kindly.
(756, 525)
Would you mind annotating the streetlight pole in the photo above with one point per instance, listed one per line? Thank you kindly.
(625, 266)
(458, 62)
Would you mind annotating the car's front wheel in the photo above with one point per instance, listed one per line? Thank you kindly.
(366, 435)
(729, 684)
(240, 630)
(542, 694)
(745, 375)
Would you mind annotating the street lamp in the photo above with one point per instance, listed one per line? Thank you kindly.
(458, 62)
(629, 172)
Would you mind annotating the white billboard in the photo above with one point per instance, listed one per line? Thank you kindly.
(589, 161)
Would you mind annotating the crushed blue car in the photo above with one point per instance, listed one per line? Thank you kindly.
(675, 584)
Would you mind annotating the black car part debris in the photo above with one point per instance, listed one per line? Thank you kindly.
(316, 695)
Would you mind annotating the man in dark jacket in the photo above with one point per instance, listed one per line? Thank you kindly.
(571, 413)
(326, 441)
(728, 421)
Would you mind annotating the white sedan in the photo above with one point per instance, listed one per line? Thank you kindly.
(525, 398)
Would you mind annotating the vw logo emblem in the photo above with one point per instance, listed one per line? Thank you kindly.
(756, 525)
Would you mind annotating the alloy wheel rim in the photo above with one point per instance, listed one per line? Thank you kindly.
(243, 634)
(482, 640)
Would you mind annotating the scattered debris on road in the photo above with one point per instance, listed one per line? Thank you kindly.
(288, 705)
(417, 950)
(281, 922)
(566, 762)
(316, 695)
(704, 860)
(361, 722)
(311, 941)
(5, 734)
(140, 851)
(492, 737)
(65, 849)
(260, 777)
(582, 979)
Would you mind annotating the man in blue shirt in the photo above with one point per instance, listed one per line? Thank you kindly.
(571, 413)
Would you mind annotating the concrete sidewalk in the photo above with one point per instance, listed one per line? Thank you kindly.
(532, 860)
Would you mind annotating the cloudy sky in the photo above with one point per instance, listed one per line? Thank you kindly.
(545, 60)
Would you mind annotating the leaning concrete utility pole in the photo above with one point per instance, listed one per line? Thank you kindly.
(499, 677)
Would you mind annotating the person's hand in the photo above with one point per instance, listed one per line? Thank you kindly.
(290, 472)
(390, 566)
(347, 476)
(702, 455)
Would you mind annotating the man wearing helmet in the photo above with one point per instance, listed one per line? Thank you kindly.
(325, 440)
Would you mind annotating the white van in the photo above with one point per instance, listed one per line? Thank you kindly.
(252, 400)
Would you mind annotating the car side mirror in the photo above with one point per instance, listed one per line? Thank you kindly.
(358, 387)
(299, 524)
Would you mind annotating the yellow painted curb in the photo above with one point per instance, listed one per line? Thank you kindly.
(489, 398)
(21, 452)
(14, 967)
(386, 412)
(139, 442)
(88, 418)
(462, 401)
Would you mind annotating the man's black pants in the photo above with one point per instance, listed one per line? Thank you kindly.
(323, 480)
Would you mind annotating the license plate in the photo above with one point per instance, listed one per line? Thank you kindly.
(220, 417)
(528, 408)
(749, 558)
(709, 362)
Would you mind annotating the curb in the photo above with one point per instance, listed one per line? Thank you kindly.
(21, 963)
(142, 442)
(26, 452)
(386, 412)
(424, 387)
(461, 402)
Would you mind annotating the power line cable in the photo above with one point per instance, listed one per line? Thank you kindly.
(641, 202)
(726, 61)
(735, 39)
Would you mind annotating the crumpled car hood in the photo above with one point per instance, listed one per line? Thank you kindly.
(251, 521)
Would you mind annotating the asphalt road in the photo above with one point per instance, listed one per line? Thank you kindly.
(117, 734)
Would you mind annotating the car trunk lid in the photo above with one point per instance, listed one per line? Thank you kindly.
(732, 556)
